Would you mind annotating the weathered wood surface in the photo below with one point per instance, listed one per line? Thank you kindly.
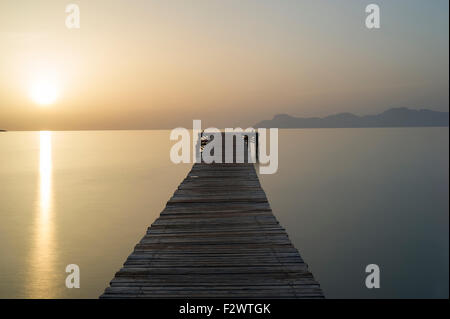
(216, 238)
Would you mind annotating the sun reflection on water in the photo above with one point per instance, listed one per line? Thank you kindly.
(42, 272)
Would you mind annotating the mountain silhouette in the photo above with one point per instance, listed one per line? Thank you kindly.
(395, 117)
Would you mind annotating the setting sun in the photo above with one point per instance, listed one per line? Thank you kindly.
(44, 92)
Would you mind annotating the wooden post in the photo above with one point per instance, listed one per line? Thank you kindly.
(257, 145)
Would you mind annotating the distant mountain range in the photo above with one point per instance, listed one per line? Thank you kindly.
(395, 117)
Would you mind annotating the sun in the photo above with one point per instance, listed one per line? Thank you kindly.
(44, 92)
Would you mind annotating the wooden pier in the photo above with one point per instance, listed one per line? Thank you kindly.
(216, 238)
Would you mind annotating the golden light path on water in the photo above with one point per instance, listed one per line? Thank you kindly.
(42, 260)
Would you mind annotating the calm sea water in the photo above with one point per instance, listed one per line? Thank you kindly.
(347, 197)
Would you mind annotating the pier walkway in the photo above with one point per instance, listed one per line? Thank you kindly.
(216, 238)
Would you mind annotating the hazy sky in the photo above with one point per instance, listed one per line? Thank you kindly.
(160, 64)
